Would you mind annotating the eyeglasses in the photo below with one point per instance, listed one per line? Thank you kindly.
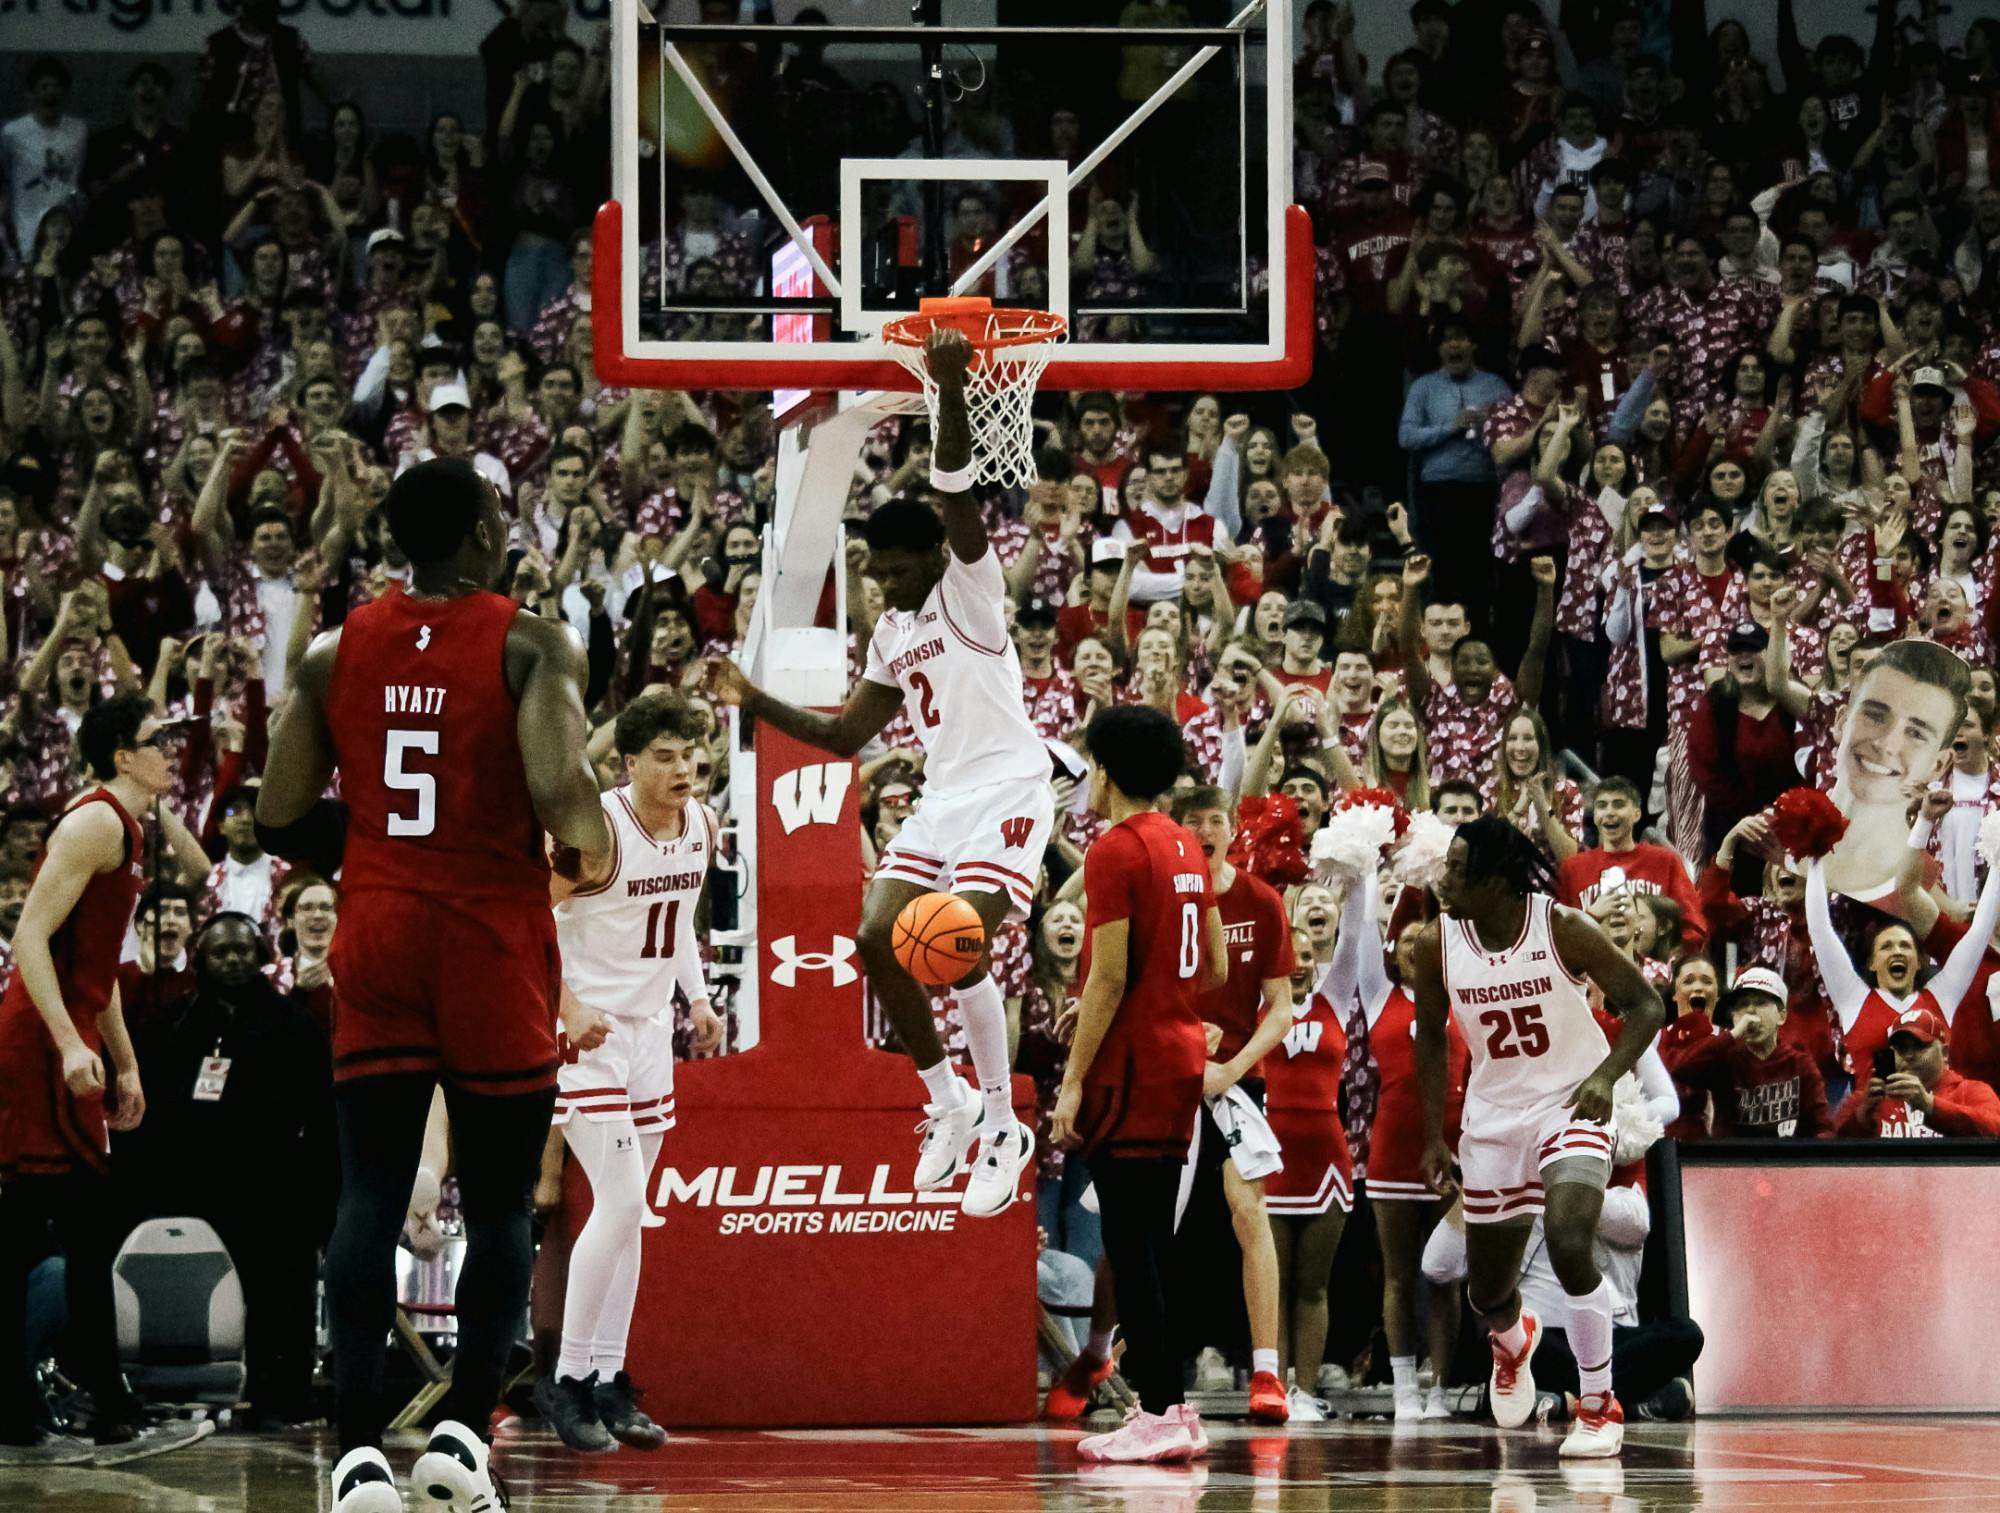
(157, 741)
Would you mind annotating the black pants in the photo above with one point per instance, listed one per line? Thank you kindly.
(77, 1213)
(1135, 1200)
(277, 1261)
(1455, 522)
(1644, 1358)
(497, 1145)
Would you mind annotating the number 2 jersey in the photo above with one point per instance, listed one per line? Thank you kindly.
(961, 680)
(1525, 1018)
(629, 940)
(426, 733)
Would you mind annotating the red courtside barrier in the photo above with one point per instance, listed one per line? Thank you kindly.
(798, 1280)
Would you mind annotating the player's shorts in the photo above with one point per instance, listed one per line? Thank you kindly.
(467, 991)
(629, 1076)
(988, 840)
(1319, 1169)
(45, 1129)
(1502, 1153)
(1396, 1152)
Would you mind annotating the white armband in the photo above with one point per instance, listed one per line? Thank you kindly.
(1920, 834)
(952, 483)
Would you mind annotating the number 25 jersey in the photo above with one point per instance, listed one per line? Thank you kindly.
(1524, 1016)
(961, 680)
(426, 733)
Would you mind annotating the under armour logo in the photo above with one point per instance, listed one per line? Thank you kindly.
(424, 639)
(839, 961)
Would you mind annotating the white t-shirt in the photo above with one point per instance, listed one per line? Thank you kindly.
(44, 167)
(279, 601)
(1958, 836)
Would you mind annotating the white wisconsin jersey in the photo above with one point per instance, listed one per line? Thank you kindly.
(1526, 1018)
(626, 943)
(961, 680)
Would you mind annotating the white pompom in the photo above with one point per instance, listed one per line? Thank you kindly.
(1350, 841)
(1634, 1127)
(1988, 842)
(1419, 861)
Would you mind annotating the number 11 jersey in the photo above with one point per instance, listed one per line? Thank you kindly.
(1524, 1015)
(961, 680)
(628, 940)
(426, 733)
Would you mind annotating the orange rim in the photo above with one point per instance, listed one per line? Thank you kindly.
(971, 310)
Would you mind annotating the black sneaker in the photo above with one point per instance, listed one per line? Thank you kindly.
(569, 1407)
(618, 1409)
(1672, 1404)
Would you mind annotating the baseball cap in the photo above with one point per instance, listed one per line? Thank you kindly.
(1535, 357)
(1922, 1024)
(381, 238)
(444, 396)
(1305, 612)
(1756, 980)
(1107, 551)
(1658, 514)
(1035, 612)
(1369, 171)
(1929, 378)
(1748, 636)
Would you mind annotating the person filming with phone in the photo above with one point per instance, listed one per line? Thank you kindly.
(1913, 1094)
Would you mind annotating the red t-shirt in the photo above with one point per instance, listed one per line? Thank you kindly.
(1717, 588)
(1259, 938)
(1143, 1090)
(1648, 869)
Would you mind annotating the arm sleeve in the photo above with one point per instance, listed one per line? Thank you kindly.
(1954, 978)
(1815, 1121)
(1694, 1058)
(1222, 499)
(1843, 984)
(1662, 1102)
(876, 668)
(1694, 920)
(1621, 615)
(1412, 433)
(688, 976)
(1357, 971)
(1235, 757)
(1631, 408)
(1522, 515)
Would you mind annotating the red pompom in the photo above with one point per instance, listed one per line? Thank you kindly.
(1806, 823)
(1270, 842)
(1379, 798)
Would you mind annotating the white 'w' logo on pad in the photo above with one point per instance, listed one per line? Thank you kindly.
(810, 795)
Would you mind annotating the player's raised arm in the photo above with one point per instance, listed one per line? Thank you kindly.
(553, 730)
(293, 820)
(948, 353)
(1587, 952)
(870, 706)
(1432, 1046)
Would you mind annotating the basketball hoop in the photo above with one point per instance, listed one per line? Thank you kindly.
(1010, 348)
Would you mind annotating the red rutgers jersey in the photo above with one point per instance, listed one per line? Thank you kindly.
(1143, 1089)
(426, 733)
(1304, 1073)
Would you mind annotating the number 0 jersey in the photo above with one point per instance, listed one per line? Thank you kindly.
(961, 680)
(427, 737)
(1524, 1016)
(626, 942)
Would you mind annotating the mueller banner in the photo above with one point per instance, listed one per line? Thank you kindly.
(443, 27)
(794, 1249)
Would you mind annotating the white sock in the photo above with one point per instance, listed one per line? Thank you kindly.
(1513, 1339)
(1098, 1348)
(984, 1018)
(614, 1314)
(609, 1154)
(1403, 1368)
(1264, 1360)
(942, 1082)
(1590, 1338)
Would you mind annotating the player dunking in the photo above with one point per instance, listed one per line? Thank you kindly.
(942, 649)
(626, 925)
(1511, 966)
(457, 725)
(1133, 1083)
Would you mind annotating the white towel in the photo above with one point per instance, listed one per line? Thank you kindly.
(1253, 1149)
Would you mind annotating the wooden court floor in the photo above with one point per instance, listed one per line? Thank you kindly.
(1927, 1465)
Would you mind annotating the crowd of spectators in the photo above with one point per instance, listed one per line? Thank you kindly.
(1656, 394)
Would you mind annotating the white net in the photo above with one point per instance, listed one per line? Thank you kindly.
(999, 386)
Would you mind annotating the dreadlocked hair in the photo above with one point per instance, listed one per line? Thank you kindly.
(1495, 848)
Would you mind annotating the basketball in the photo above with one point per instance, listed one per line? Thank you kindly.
(939, 938)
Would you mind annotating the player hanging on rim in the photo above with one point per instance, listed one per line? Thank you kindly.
(457, 725)
(942, 648)
(626, 925)
(1512, 967)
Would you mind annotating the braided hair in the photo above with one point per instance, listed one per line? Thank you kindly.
(1494, 848)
